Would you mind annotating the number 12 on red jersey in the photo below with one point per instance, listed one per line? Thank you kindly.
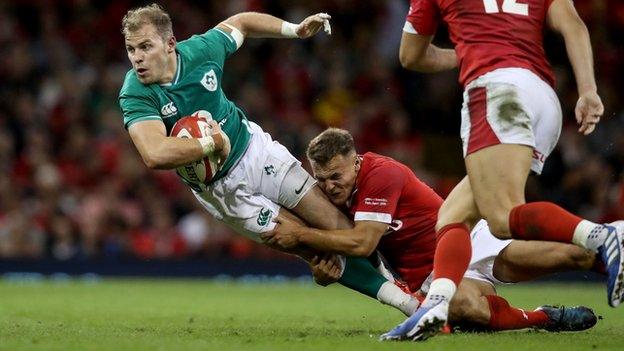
(509, 6)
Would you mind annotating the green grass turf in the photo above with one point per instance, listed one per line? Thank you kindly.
(205, 315)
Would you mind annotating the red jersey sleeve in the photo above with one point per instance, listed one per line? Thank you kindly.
(423, 17)
(378, 195)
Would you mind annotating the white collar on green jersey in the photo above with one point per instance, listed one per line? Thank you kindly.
(178, 70)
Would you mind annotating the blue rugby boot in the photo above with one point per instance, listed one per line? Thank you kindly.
(611, 254)
(423, 324)
(563, 318)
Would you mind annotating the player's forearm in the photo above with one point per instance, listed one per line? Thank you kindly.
(345, 242)
(433, 60)
(257, 25)
(171, 152)
(162, 152)
(579, 51)
(438, 59)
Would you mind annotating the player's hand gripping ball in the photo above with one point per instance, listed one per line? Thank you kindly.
(199, 125)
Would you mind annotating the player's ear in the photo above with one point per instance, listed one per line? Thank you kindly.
(171, 44)
(358, 163)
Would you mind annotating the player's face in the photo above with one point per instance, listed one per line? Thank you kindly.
(150, 55)
(337, 178)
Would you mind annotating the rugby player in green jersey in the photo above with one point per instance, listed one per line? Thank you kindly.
(258, 180)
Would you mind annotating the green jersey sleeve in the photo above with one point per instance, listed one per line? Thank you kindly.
(215, 45)
(136, 103)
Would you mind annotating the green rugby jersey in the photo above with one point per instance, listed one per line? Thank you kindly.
(196, 87)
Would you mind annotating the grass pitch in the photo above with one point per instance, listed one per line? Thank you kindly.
(205, 315)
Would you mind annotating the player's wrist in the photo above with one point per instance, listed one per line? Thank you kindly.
(587, 87)
(587, 91)
(303, 235)
(289, 30)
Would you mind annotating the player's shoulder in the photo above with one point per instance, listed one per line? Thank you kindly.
(132, 86)
(374, 160)
(213, 45)
(187, 45)
(204, 40)
(374, 164)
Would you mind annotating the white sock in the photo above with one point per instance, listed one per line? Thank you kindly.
(392, 295)
(589, 235)
(441, 289)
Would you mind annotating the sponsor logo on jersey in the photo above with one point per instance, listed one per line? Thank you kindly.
(370, 201)
(210, 80)
(168, 110)
(264, 217)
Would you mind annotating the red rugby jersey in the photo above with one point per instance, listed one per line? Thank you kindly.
(488, 34)
(389, 192)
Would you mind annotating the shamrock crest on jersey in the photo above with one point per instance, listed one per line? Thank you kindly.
(210, 81)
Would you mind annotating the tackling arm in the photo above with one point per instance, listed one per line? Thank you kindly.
(360, 241)
(418, 54)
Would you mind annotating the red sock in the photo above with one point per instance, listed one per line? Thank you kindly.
(453, 253)
(505, 317)
(542, 221)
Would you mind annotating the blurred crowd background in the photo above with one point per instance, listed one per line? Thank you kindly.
(72, 186)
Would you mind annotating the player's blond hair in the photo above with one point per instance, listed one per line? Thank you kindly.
(329, 144)
(150, 14)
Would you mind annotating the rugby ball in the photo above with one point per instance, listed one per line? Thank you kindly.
(201, 171)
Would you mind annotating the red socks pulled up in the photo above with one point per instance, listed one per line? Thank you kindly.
(453, 253)
(505, 317)
(542, 221)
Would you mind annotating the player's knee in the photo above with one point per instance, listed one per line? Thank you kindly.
(444, 220)
(440, 224)
(448, 216)
(468, 308)
(498, 222)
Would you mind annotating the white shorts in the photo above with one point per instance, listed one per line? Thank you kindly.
(485, 248)
(511, 106)
(266, 178)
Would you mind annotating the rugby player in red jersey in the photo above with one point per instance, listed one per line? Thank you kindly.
(511, 120)
(395, 214)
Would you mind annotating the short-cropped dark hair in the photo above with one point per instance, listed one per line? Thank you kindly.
(329, 144)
